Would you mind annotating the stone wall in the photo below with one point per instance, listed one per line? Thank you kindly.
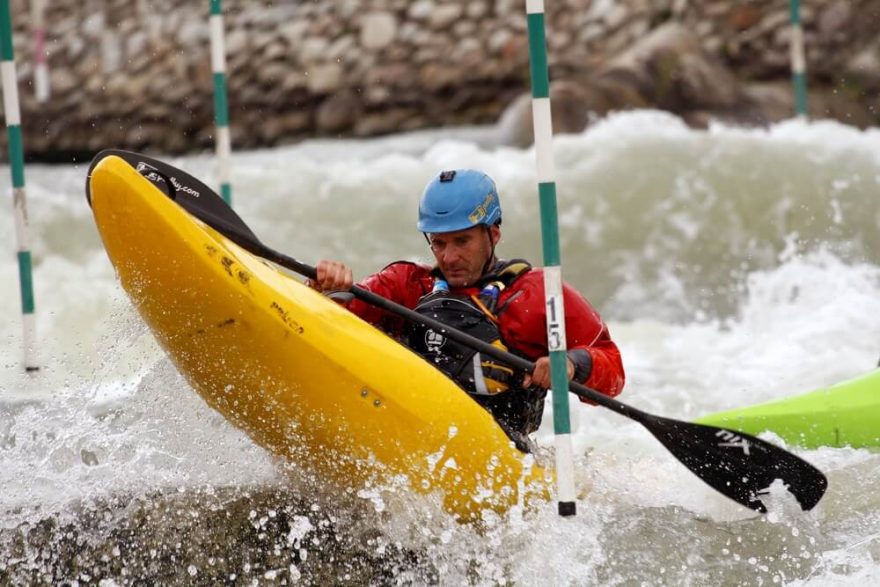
(137, 74)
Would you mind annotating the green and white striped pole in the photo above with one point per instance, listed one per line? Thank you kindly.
(19, 199)
(798, 60)
(221, 108)
(543, 128)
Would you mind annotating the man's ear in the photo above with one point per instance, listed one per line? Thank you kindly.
(495, 232)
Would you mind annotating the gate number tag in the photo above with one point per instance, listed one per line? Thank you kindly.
(555, 325)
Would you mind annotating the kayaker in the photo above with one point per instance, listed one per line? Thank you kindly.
(499, 301)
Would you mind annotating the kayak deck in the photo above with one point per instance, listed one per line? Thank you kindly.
(845, 414)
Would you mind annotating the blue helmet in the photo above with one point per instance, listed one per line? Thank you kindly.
(460, 199)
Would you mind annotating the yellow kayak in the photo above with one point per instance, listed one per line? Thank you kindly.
(302, 376)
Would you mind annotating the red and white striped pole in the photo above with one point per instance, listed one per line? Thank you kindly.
(41, 58)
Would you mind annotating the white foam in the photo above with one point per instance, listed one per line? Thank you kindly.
(735, 266)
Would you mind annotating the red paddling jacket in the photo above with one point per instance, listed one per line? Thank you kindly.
(520, 319)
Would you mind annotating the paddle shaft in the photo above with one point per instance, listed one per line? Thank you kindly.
(475, 343)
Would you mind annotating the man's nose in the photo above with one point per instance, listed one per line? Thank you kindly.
(451, 254)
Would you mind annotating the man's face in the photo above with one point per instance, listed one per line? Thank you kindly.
(461, 255)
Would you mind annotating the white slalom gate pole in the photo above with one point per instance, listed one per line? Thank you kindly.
(798, 60)
(223, 142)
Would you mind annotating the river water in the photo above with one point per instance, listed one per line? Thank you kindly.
(733, 266)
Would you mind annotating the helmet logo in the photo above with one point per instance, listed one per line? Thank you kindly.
(447, 176)
(434, 341)
(480, 211)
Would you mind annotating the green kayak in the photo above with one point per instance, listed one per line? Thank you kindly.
(846, 414)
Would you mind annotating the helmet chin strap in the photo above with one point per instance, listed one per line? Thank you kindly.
(490, 262)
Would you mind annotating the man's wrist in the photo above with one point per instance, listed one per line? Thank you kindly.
(583, 364)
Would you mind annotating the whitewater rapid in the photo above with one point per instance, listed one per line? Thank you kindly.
(733, 266)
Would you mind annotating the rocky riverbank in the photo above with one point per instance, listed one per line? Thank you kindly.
(137, 74)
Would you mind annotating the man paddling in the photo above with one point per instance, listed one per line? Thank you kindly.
(498, 301)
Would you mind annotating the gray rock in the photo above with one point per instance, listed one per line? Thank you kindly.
(136, 43)
(111, 51)
(342, 48)
(325, 78)
(62, 80)
(294, 32)
(236, 42)
(464, 28)
(421, 10)
(444, 15)
(864, 67)
(834, 19)
(94, 25)
(498, 40)
(378, 30)
(312, 49)
(476, 9)
(358, 66)
(338, 112)
(193, 33)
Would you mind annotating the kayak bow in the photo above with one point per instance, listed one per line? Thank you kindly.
(845, 414)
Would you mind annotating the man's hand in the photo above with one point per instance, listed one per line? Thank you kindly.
(541, 375)
(332, 276)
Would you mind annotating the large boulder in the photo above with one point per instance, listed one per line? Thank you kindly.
(669, 69)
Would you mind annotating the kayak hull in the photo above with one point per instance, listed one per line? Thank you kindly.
(845, 414)
(302, 376)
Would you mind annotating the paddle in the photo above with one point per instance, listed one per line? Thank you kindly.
(738, 465)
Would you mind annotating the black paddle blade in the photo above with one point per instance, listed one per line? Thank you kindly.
(193, 195)
(738, 465)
